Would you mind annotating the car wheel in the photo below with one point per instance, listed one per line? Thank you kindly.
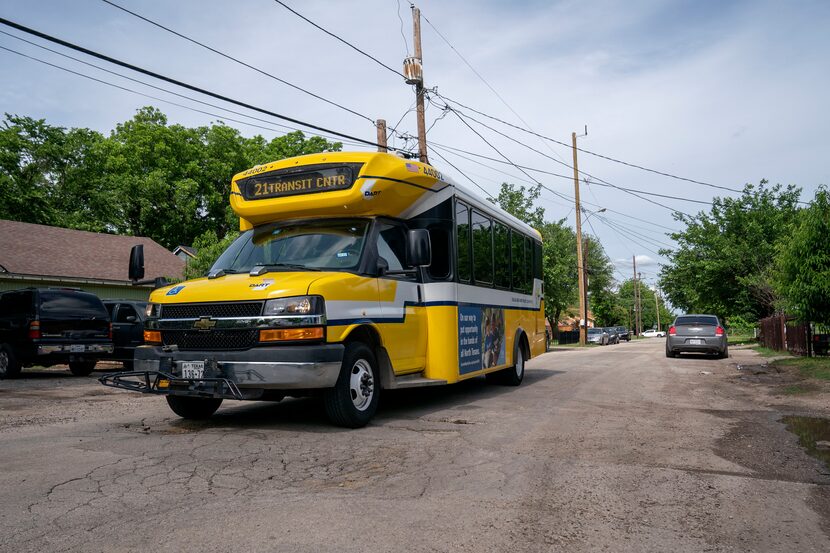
(670, 353)
(194, 408)
(724, 354)
(82, 368)
(354, 399)
(9, 366)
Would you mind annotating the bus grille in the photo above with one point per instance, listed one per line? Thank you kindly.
(196, 310)
(210, 340)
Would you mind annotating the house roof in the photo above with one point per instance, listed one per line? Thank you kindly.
(30, 249)
(189, 250)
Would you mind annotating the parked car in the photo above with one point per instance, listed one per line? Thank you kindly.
(52, 326)
(598, 336)
(623, 333)
(127, 328)
(613, 337)
(697, 333)
(653, 333)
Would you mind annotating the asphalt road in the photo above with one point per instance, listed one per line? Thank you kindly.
(606, 449)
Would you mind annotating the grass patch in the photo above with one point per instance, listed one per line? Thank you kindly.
(739, 339)
(795, 390)
(767, 352)
(809, 367)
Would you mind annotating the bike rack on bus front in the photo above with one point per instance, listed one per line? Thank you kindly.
(148, 382)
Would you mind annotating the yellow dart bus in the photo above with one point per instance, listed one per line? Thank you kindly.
(354, 273)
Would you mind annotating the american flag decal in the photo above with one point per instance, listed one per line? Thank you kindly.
(411, 167)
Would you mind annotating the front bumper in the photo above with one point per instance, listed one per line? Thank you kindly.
(274, 368)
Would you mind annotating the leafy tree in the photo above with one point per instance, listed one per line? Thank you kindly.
(208, 249)
(559, 268)
(625, 300)
(803, 266)
(520, 202)
(724, 258)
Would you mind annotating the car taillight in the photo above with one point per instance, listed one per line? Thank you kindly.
(672, 331)
(109, 332)
(719, 331)
(34, 330)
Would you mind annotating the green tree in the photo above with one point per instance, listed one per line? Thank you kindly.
(803, 266)
(724, 258)
(208, 248)
(520, 202)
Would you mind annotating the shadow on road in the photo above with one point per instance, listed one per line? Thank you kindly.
(307, 415)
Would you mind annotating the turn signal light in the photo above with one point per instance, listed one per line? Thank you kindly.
(152, 337)
(286, 334)
(672, 331)
(34, 330)
(719, 331)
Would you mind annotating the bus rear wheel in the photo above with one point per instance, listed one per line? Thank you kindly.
(511, 376)
(354, 399)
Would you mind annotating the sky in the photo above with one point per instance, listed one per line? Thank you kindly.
(722, 92)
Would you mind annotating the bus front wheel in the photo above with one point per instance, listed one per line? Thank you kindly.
(354, 399)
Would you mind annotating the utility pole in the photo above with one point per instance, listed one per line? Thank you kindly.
(639, 301)
(583, 304)
(414, 71)
(381, 126)
(636, 312)
(657, 309)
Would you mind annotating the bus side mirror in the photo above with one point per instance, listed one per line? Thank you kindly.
(418, 248)
(137, 262)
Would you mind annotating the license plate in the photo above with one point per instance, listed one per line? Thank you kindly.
(192, 369)
(76, 348)
(696, 342)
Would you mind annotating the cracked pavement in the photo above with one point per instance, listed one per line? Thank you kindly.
(614, 448)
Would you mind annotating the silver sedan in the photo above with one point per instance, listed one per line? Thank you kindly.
(697, 333)
(598, 336)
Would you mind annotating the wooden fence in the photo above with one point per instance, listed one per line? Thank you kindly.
(783, 333)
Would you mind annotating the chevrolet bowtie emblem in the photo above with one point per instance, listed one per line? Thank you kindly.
(204, 323)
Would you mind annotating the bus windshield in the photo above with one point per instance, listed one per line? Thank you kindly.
(311, 245)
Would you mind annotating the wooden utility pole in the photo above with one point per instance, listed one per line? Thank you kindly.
(640, 301)
(636, 311)
(381, 126)
(580, 271)
(419, 87)
(657, 309)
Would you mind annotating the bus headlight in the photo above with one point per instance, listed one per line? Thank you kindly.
(152, 310)
(298, 305)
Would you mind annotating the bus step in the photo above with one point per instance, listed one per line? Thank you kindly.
(414, 381)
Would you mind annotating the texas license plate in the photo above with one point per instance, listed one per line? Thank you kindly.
(696, 342)
(76, 348)
(192, 369)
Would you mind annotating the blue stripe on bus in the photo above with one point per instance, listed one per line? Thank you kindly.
(346, 322)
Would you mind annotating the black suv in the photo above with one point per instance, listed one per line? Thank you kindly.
(51, 326)
(127, 328)
(623, 333)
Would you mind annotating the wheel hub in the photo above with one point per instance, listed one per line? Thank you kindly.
(361, 384)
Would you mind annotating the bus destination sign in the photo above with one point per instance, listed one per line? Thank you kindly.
(279, 183)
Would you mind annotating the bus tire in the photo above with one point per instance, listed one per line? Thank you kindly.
(514, 375)
(194, 408)
(9, 366)
(354, 399)
(82, 368)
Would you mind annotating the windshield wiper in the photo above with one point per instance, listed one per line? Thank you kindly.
(262, 269)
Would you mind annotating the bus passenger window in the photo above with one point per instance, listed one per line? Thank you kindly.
(462, 231)
(482, 249)
(518, 260)
(527, 282)
(439, 237)
(501, 241)
(538, 260)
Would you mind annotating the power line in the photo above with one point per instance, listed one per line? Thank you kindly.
(589, 152)
(183, 96)
(245, 64)
(126, 89)
(344, 41)
(180, 83)
(599, 181)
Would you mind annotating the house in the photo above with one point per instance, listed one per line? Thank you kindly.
(570, 319)
(40, 255)
(185, 253)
